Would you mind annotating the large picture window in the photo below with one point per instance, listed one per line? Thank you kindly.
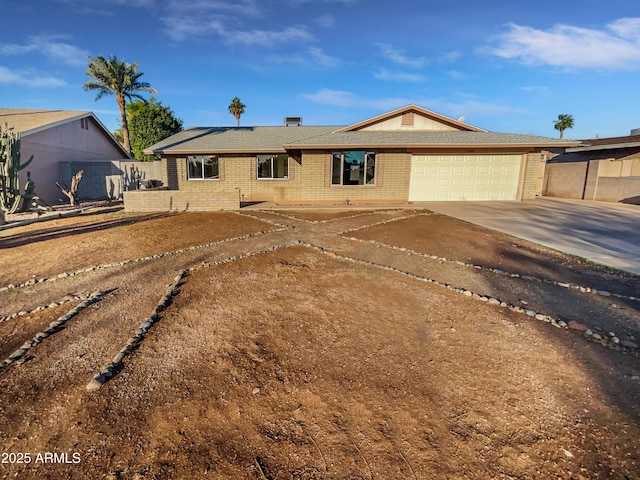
(273, 166)
(353, 168)
(203, 167)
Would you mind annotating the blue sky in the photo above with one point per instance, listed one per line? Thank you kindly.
(505, 66)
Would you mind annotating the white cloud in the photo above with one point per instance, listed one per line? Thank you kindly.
(537, 90)
(29, 78)
(268, 38)
(341, 98)
(616, 48)
(627, 28)
(239, 8)
(186, 19)
(398, 76)
(398, 56)
(468, 107)
(326, 21)
(313, 57)
(50, 46)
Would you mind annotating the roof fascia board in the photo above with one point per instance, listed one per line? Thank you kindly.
(609, 146)
(217, 151)
(422, 146)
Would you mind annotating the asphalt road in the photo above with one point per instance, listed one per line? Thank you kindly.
(603, 232)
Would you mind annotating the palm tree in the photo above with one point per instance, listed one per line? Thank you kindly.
(564, 121)
(236, 108)
(117, 77)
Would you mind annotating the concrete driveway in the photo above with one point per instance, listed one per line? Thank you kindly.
(603, 232)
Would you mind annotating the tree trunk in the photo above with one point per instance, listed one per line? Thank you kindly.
(125, 124)
(72, 193)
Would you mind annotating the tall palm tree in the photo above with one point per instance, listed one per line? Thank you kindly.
(117, 77)
(564, 121)
(236, 108)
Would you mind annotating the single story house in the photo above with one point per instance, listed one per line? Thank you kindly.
(408, 155)
(604, 169)
(63, 142)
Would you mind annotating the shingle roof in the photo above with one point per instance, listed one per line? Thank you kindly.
(280, 139)
(235, 139)
(392, 139)
(28, 121)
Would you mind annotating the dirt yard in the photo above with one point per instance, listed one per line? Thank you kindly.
(390, 344)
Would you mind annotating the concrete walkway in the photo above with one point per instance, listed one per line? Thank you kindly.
(603, 232)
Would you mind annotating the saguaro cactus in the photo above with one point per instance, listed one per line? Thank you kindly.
(9, 167)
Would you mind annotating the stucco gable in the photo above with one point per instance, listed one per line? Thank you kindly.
(411, 118)
(37, 122)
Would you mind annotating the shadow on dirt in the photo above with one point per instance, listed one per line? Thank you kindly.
(44, 234)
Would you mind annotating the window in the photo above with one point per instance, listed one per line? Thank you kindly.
(203, 167)
(273, 166)
(84, 123)
(353, 168)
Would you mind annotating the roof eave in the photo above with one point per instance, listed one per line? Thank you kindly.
(425, 145)
(213, 151)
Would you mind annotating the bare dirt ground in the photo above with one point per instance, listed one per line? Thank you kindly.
(306, 345)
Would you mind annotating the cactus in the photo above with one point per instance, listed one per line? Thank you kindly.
(9, 167)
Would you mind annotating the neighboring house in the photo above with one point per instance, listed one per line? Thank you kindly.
(63, 142)
(605, 169)
(407, 155)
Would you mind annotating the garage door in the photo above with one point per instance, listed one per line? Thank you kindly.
(464, 177)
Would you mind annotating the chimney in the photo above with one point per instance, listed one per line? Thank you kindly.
(292, 121)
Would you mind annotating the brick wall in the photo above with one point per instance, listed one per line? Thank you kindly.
(529, 176)
(309, 180)
(175, 200)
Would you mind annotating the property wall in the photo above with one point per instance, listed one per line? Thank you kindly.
(104, 179)
(175, 200)
(63, 143)
(565, 180)
(100, 179)
(135, 173)
(618, 189)
(605, 180)
(309, 180)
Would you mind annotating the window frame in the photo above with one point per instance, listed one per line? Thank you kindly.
(202, 167)
(367, 157)
(272, 158)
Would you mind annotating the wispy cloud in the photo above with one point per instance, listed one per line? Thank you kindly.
(105, 3)
(617, 47)
(186, 19)
(541, 91)
(342, 98)
(312, 57)
(237, 8)
(326, 21)
(51, 46)
(268, 38)
(398, 76)
(467, 106)
(398, 57)
(29, 78)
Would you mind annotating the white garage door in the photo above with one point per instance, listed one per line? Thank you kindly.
(464, 177)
